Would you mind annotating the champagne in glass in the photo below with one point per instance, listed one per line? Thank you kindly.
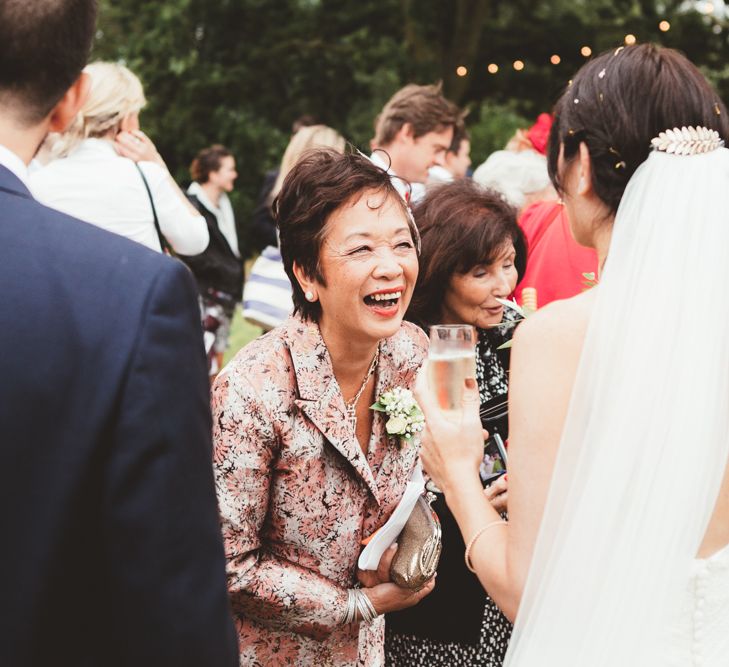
(451, 359)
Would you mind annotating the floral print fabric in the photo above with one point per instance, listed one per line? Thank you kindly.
(297, 494)
(491, 369)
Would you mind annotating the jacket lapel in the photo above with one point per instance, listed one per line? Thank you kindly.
(320, 398)
(399, 363)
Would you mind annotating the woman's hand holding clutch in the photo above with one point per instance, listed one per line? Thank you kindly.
(385, 595)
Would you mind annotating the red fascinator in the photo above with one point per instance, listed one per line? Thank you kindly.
(539, 132)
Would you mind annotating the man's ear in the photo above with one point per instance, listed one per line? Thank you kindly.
(406, 133)
(69, 105)
(584, 187)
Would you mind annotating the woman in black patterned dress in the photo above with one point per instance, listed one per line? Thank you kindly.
(472, 252)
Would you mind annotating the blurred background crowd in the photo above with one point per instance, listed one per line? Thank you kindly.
(247, 74)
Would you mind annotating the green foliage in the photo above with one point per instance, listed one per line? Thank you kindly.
(491, 126)
(242, 332)
(238, 72)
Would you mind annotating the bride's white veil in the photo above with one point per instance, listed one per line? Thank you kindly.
(646, 439)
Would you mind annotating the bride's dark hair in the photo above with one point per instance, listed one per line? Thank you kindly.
(618, 102)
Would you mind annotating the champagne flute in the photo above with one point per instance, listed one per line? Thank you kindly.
(451, 359)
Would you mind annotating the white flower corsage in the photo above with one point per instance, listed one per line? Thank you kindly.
(405, 418)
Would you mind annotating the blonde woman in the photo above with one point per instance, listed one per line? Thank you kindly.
(304, 139)
(267, 294)
(313, 136)
(94, 176)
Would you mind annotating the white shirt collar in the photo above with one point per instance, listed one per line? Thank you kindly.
(97, 145)
(223, 213)
(12, 161)
(197, 190)
(439, 174)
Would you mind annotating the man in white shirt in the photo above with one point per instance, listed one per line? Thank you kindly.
(413, 133)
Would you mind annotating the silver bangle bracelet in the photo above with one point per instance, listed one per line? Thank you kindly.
(365, 607)
(358, 603)
(350, 612)
(374, 613)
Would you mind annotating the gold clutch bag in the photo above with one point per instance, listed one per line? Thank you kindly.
(419, 546)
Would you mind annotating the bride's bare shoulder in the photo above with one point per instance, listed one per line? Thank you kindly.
(559, 327)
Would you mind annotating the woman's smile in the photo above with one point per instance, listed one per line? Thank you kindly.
(369, 259)
(385, 302)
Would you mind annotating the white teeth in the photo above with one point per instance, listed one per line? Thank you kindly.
(386, 297)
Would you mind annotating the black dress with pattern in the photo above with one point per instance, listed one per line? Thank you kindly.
(458, 624)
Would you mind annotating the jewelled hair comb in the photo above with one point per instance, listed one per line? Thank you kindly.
(687, 141)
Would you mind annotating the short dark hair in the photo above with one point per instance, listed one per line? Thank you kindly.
(208, 160)
(321, 183)
(424, 107)
(618, 102)
(307, 120)
(44, 45)
(460, 134)
(461, 226)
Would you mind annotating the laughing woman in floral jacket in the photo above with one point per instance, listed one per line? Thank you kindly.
(305, 470)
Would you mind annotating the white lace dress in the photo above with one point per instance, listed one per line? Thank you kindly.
(700, 636)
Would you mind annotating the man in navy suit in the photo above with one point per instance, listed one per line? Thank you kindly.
(110, 550)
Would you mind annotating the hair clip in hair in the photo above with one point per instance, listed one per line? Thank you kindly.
(601, 98)
(569, 83)
(571, 132)
(620, 164)
(687, 141)
(577, 101)
(618, 50)
(717, 109)
(602, 74)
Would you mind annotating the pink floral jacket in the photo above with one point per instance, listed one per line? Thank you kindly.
(297, 494)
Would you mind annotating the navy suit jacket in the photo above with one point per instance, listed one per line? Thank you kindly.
(110, 548)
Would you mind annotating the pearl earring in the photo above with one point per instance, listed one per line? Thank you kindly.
(309, 296)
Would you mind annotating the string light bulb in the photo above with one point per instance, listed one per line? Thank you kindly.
(630, 39)
(586, 51)
(518, 65)
(555, 59)
(664, 26)
(493, 68)
(461, 70)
